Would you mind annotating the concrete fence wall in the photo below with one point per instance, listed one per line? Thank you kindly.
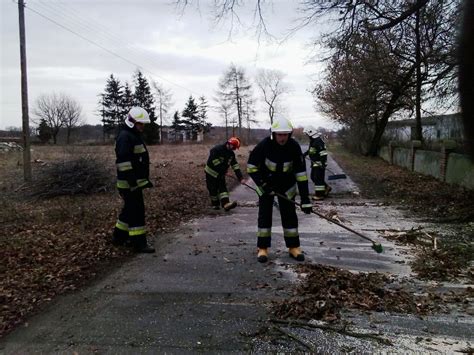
(445, 165)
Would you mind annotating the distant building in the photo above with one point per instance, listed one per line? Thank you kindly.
(434, 128)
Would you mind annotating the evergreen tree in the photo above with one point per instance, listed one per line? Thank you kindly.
(127, 100)
(191, 118)
(177, 124)
(203, 105)
(144, 98)
(44, 131)
(111, 105)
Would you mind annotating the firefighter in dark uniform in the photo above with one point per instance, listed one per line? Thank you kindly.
(220, 158)
(276, 164)
(318, 155)
(132, 177)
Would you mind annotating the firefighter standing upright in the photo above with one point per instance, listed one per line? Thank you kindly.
(318, 155)
(132, 177)
(220, 158)
(277, 164)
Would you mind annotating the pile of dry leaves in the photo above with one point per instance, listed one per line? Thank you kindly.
(325, 291)
(436, 258)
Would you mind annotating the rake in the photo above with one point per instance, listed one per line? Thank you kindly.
(375, 246)
(334, 176)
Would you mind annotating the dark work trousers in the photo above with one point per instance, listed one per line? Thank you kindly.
(317, 176)
(289, 221)
(133, 215)
(217, 190)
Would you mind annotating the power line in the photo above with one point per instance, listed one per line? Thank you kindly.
(108, 50)
(92, 27)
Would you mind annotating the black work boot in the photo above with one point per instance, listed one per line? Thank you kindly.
(262, 255)
(120, 237)
(327, 190)
(230, 205)
(296, 254)
(140, 245)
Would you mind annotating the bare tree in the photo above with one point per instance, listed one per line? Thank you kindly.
(249, 115)
(230, 10)
(272, 88)
(72, 115)
(364, 86)
(419, 33)
(234, 87)
(58, 111)
(466, 73)
(224, 108)
(48, 108)
(163, 103)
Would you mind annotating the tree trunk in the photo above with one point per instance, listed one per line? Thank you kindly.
(226, 126)
(68, 136)
(389, 109)
(380, 128)
(418, 127)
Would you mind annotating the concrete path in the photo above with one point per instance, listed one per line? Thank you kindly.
(204, 291)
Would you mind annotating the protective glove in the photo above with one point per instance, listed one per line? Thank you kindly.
(133, 184)
(267, 188)
(306, 205)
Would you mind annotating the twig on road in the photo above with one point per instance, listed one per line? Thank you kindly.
(334, 329)
(294, 337)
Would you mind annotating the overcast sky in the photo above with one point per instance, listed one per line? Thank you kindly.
(187, 54)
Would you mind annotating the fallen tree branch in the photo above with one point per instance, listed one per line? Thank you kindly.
(294, 337)
(334, 329)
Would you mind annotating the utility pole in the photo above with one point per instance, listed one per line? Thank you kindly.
(24, 95)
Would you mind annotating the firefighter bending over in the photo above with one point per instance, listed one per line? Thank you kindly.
(220, 157)
(318, 155)
(132, 177)
(276, 164)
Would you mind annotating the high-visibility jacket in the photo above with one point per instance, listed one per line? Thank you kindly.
(220, 158)
(132, 159)
(317, 153)
(282, 167)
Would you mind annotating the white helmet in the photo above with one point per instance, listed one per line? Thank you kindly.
(281, 125)
(137, 114)
(311, 131)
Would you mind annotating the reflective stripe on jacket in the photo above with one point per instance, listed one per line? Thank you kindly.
(317, 152)
(132, 159)
(220, 158)
(282, 167)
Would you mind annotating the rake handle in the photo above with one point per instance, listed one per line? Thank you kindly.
(313, 211)
(326, 218)
(324, 167)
